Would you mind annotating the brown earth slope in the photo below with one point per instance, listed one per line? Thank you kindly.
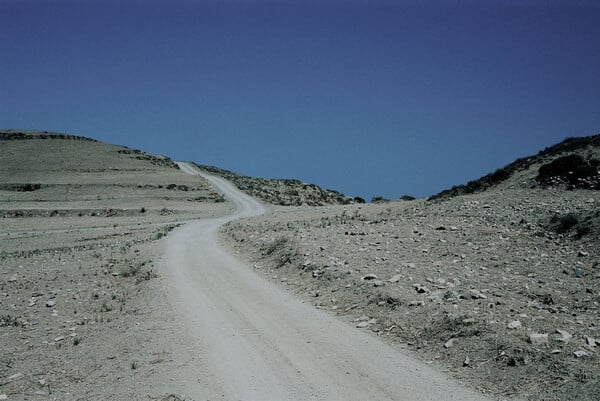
(500, 287)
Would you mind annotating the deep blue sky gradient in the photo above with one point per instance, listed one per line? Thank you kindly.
(366, 97)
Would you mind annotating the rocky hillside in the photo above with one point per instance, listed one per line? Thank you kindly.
(573, 163)
(284, 192)
(496, 282)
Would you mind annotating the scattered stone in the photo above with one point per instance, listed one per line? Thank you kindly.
(538, 338)
(58, 339)
(3, 397)
(582, 254)
(366, 324)
(16, 376)
(416, 303)
(515, 324)
(50, 304)
(378, 283)
(580, 353)
(395, 278)
(477, 294)
(436, 297)
(369, 276)
(449, 343)
(564, 336)
(467, 361)
(421, 289)
(555, 351)
(591, 342)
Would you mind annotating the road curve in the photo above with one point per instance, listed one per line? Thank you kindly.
(259, 342)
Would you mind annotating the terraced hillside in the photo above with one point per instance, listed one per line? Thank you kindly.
(80, 303)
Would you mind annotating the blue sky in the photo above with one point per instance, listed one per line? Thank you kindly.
(372, 98)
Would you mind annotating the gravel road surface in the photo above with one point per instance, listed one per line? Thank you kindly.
(259, 342)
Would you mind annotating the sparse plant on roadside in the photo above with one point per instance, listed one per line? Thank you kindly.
(9, 320)
(132, 270)
(275, 245)
(379, 199)
(563, 224)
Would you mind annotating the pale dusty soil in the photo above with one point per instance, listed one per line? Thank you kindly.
(260, 342)
(83, 310)
(85, 314)
(446, 279)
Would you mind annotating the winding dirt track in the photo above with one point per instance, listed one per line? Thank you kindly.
(259, 342)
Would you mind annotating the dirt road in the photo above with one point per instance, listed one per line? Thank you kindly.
(258, 342)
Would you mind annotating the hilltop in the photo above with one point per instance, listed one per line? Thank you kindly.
(572, 163)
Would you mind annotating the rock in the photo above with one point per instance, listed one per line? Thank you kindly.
(467, 361)
(436, 297)
(378, 283)
(60, 338)
(366, 324)
(421, 289)
(3, 397)
(50, 304)
(395, 278)
(477, 294)
(515, 324)
(416, 303)
(449, 343)
(564, 336)
(580, 353)
(582, 254)
(451, 296)
(369, 276)
(591, 342)
(538, 338)
(16, 376)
